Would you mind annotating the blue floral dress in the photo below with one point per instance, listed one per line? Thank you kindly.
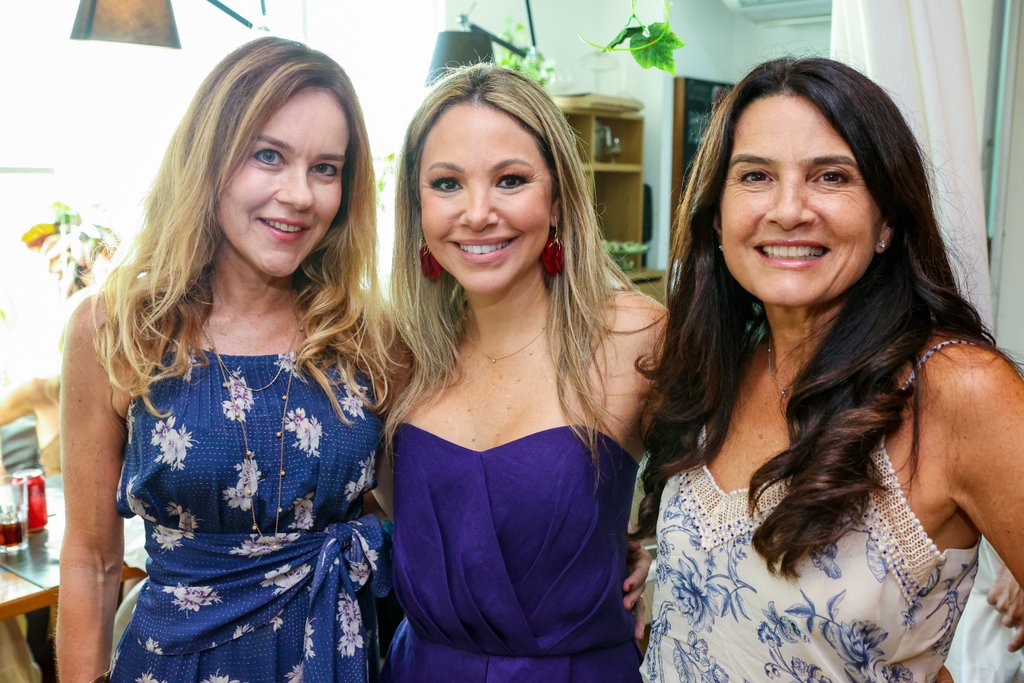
(879, 605)
(224, 604)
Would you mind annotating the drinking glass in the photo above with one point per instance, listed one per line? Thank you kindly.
(13, 514)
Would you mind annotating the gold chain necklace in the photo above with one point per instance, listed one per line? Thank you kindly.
(249, 454)
(495, 359)
(771, 372)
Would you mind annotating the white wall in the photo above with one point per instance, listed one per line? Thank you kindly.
(720, 46)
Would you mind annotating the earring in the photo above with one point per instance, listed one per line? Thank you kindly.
(428, 262)
(720, 247)
(551, 257)
(882, 244)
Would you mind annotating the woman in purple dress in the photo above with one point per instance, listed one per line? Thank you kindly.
(517, 437)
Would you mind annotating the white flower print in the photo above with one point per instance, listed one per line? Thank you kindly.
(302, 509)
(168, 538)
(135, 504)
(193, 363)
(349, 642)
(153, 646)
(174, 443)
(241, 495)
(286, 361)
(307, 642)
(308, 431)
(284, 577)
(258, 546)
(295, 675)
(352, 402)
(350, 619)
(241, 631)
(148, 677)
(187, 522)
(129, 419)
(192, 598)
(354, 489)
(239, 397)
(276, 623)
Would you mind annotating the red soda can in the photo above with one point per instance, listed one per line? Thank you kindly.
(36, 496)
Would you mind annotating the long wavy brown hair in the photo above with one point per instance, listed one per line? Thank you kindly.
(157, 299)
(850, 393)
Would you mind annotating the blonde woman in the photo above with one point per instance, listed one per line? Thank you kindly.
(220, 388)
(516, 440)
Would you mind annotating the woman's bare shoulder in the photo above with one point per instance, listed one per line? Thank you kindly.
(632, 312)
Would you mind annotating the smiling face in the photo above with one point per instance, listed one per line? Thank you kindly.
(487, 200)
(280, 202)
(798, 225)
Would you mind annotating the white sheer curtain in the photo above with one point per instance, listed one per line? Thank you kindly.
(917, 50)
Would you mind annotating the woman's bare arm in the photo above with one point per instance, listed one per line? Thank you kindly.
(92, 440)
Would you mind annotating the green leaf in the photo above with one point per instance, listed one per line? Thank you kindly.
(627, 32)
(657, 48)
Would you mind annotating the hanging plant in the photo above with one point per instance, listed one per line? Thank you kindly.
(652, 45)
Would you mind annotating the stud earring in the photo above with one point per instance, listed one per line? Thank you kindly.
(428, 262)
(551, 257)
(882, 244)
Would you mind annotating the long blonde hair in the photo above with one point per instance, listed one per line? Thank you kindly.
(431, 315)
(157, 299)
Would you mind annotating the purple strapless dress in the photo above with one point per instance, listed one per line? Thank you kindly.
(509, 562)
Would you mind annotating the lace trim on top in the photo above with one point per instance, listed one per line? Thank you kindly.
(908, 550)
(909, 553)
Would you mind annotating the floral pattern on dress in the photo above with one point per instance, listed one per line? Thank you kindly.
(173, 443)
(720, 615)
(223, 602)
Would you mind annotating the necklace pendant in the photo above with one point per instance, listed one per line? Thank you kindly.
(493, 360)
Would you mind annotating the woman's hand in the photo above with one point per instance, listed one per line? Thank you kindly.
(1008, 598)
(639, 564)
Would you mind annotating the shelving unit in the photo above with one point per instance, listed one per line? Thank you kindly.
(618, 174)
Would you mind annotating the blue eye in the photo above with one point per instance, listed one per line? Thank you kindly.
(445, 184)
(267, 156)
(511, 181)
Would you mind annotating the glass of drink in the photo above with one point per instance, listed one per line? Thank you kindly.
(36, 496)
(13, 514)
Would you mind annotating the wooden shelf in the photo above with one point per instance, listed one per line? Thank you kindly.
(617, 172)
(606, 167)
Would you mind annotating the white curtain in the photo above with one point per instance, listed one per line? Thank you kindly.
(917, 50)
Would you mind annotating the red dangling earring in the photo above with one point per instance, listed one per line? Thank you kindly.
(551, 257)
(431, 268)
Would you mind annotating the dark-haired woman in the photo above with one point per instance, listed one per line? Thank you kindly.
(823, 466)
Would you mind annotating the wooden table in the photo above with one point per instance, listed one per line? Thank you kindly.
(30, 578)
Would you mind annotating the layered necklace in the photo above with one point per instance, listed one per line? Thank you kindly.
(250, 456)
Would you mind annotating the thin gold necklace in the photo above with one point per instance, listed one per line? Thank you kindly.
(249, 454)
(771, 372)
(495, 359)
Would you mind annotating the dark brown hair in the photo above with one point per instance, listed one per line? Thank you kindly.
(849, 395)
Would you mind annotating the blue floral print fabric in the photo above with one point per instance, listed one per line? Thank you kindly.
(225, 603)
(879, 605)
